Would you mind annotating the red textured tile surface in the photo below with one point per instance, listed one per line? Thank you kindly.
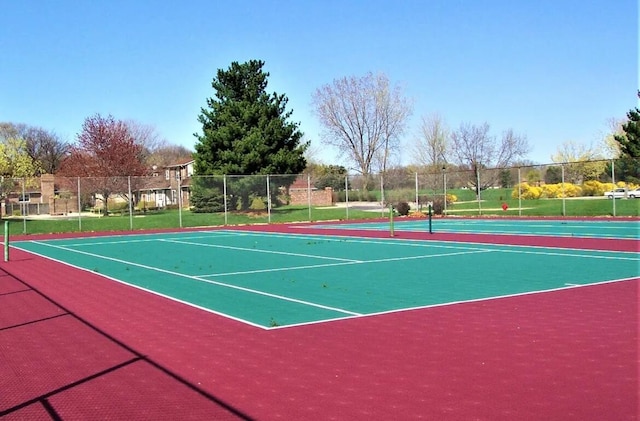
(33, 412)
(9, 285)
(141, 391)
(565, 355)
(41, 357)
(25, 307)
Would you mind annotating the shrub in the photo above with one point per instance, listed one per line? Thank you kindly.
(593, 188)
(207, 201)
(398, 195)
(118, 206)
(527, 191)
(555, 191)
(403, 208)
(354, 196)
(145, 205)
(570, 190)
(257, 204)
(438, 205)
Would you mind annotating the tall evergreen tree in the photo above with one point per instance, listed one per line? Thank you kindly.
(628, 166)
(630, 141)
(246, 130)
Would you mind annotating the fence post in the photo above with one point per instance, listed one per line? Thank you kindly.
(564, 208)
(79, 208)
(346, 194)
(179, 199)
(224, 194)
(519, 193)
(613, 180)
(309, 194)
(130, 203)
(268, 200)
(25, 208)
(417, 197)
(479, 188)
(444, 190)
(6, 241)
(382, 201)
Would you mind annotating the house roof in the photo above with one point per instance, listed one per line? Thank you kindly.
(160, 183)
(182, 163)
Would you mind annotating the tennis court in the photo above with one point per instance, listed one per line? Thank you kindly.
(481, 319)
(273, 280)
(617, 229)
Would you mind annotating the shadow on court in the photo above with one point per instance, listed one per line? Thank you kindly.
(54, 365)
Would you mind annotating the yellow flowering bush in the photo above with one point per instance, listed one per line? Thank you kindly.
(527, 191)
(593, 188)
(555, 191)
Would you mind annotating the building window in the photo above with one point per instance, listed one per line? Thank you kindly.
(167, 175)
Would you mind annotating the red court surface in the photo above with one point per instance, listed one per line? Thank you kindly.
(77, 346)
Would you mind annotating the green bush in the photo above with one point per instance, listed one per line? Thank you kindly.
(257, 203)
(354, 196)
(204, 201)
(399, 195)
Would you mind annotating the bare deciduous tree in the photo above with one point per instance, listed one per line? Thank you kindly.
(475, 148)
(46, 148)
(610, 145)
(156, 150)
(582, 162)
(43, 148)
(431, 145)
(363, 117)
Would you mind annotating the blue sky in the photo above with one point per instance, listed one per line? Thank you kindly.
(554, 71)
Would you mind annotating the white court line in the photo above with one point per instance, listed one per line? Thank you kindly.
(199, 279)
(509, 248)
(284, 253)
(145, 240)
(367, 240)
(451, 303)
(169, 297)
(586, 256)
(357, 262)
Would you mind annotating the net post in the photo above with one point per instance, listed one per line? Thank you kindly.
(391, 220)
(430, 217)
(6, 241)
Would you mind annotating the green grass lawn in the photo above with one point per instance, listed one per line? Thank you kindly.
(492, 200)
(491, 203)
(172, 218)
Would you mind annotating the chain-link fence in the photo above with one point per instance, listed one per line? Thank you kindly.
(568, 189)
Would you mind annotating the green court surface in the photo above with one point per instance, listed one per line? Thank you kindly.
(275, 280)
(550, 227)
